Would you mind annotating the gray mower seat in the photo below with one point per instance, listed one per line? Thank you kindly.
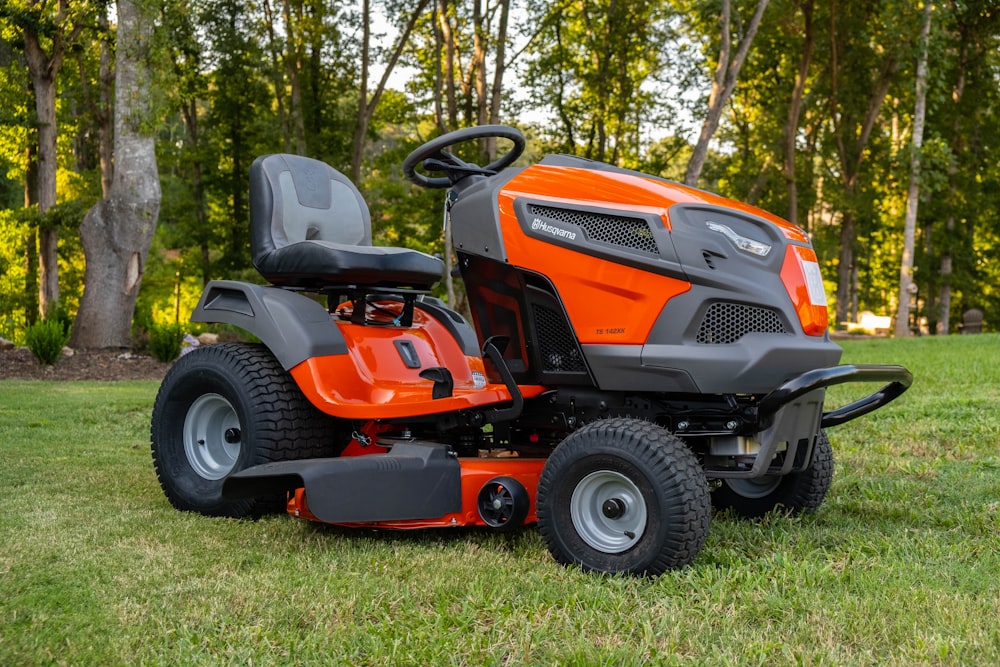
(310, 228)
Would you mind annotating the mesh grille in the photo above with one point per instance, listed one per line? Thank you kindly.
(617, 230)
(726, 323)
(559, 351)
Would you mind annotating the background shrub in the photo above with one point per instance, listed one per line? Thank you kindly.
(165, 341)
(46, 339)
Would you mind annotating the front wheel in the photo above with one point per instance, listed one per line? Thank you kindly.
(623, 496)
(221, 409)
(796, 493)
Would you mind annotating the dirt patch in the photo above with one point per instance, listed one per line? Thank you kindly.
(82, 365)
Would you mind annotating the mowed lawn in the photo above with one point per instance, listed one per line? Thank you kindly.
(901, 565)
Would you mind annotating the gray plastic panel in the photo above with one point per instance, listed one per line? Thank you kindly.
(292, 326)
(456, 325)
(476, 217)
(413, 481)
(755, 365)
(621, 368)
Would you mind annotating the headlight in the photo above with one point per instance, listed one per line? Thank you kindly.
(744, 243)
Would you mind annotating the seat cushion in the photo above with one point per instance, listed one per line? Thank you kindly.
(321, 263)
(311, 228)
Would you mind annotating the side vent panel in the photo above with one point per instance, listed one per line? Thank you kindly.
(617, 230)
(557, 346)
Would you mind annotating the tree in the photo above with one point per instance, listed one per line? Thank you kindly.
(188, 92)
(238, 124)
(795, 111)
(861, 69)
(366, 103)
(47, 36)
(727, 72)
(965, 120)
(913, 194)
(591, 64)
(118, 230)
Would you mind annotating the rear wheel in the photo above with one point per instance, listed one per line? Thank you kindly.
(796, 493)
(623, 496)
(223, 408)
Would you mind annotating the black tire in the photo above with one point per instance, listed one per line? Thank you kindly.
(623, 496)
(796, 493)
(223, 408)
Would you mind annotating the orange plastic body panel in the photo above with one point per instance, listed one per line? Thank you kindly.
(475, 473)
(627, 192)
(607, 303)
(814, 318)
(372, 381)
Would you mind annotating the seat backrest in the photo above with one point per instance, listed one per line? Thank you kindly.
(294, 198)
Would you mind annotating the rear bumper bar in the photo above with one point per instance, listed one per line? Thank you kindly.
(897, 378)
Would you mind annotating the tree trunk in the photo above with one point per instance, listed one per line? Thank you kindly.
(479, 40)
(277, 76)
(845, 267)
(438, 69)
(293, 66)
(727, 71)
(31, 240)
(957, 146)
(448, 35)
(366, 106)
(105, 116)
(795, 112)
(189, 112)
(43, 70)
(851, 142)
(913, 194)
(498, 71)
(117, 231)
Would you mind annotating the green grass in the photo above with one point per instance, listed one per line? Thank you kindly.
(899, 566)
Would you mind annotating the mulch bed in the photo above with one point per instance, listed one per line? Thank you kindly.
(20, 364)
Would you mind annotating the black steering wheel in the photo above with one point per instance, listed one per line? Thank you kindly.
(432, 156)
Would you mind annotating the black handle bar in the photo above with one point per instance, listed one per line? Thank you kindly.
(898, 380)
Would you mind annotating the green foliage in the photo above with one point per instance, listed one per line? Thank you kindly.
(625, 82)
(591, 67)
(18, 292)
(46, 339)
(165, 341)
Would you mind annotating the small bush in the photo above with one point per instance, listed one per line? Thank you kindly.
(46, 340)
(165, 341)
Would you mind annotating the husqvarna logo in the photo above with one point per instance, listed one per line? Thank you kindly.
(539, 225)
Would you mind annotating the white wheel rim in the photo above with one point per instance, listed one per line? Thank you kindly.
(608, 511)
(212, 436)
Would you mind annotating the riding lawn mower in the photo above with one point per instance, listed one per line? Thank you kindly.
(639, 353)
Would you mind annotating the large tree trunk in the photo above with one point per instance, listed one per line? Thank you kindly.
(913, 194)
(117, 231)
(727, 72)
